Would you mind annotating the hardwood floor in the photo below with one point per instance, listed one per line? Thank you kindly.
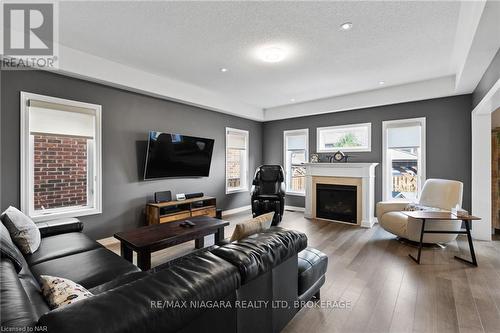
(386, 290)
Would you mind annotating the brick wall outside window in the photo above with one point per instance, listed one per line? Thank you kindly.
(233, 167)
(60, 171)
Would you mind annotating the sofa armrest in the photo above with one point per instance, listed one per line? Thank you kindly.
(60, 226)
(390, 206)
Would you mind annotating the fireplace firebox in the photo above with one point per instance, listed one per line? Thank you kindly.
(336, 202)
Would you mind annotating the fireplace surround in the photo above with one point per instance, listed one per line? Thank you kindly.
(359, 175)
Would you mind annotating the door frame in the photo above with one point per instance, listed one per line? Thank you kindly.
(481, 162)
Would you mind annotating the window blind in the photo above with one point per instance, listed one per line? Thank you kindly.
(57, 119)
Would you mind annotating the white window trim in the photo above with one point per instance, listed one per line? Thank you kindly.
(386, 186)
(27, 190)
(319, 149)
(288, 132)
(247, 144)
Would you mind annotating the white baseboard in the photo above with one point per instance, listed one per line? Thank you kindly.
(236, 210)
(369, 223)
(295, 208)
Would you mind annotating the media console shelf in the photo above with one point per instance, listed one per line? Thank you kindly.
(171, 211)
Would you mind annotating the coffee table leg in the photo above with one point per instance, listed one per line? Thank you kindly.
(144, 260)
(419, 244)
(125, 252)
(471, 246)
(219, 236)
(199, 243)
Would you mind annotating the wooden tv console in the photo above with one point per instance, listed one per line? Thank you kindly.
(171, 211)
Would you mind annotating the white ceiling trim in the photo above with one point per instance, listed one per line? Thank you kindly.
(476, 43)
(490, 101)
(82, 65)
(93, 68)
(468, 21)
(428, 89)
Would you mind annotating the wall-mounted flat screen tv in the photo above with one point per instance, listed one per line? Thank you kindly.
(176, 155)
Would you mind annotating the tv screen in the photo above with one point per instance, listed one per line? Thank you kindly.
(175, 155)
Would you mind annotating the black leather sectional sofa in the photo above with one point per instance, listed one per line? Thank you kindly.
(224, 289)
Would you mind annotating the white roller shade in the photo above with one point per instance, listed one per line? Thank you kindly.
(236, 140)
(296, 141)
(50, 119)
(404, 137)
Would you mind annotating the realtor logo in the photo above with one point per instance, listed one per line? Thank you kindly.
(28, 35)
(28, 29)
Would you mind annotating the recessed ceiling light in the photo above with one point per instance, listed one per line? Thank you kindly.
(223, 70)
(292, 99)
(381, 83)
(346, 26)
(272, 53)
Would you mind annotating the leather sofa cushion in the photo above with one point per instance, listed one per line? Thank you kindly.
(134, 307)
(53, 247)
(119, 281)
(312, 266)
(261, 252)
(90, 268)
(15, 305)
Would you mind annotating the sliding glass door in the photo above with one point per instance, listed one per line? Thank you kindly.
(403, 158)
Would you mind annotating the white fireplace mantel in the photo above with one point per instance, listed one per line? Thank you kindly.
(364, 171)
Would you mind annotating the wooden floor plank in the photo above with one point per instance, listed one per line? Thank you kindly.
(404, 310)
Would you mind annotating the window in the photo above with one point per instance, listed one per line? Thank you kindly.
(403, 158)
(237, 163)
(356, 137)
(296, 144)
(60, 157)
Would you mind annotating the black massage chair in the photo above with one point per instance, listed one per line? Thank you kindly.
(268, 192)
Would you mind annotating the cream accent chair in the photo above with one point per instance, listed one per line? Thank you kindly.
(439, 193)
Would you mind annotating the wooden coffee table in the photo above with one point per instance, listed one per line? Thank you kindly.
(145, 240)
(447, 216)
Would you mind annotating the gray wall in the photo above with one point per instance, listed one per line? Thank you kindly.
(448, 136)
(490, 77)
(127, 118)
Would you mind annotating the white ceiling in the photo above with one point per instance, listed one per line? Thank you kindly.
(188, 42)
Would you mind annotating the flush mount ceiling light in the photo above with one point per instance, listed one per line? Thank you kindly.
(272, 53)
(292, 99)
(346, 26)
(381, 83)
(223, 70)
